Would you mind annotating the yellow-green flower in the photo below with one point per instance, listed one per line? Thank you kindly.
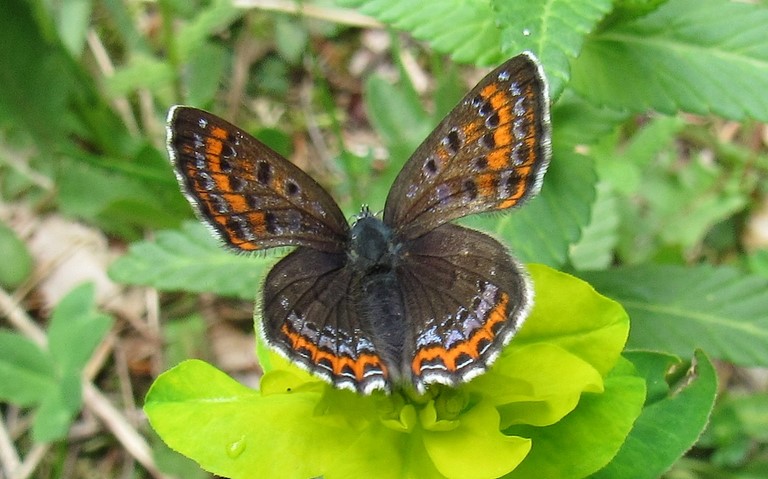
(535, 413)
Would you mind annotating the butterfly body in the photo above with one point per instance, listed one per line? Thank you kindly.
(406, 300)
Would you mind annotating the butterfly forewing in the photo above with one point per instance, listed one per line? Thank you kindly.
(489, 153)
(470, 297)
(252, 197)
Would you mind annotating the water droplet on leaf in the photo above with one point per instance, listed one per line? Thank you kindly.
(236, 448)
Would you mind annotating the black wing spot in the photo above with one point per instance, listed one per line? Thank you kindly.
(237, 184)
(492, 121)
(488, 141)
(291, 188)
(430, 166)
(470, 188)
(453, 142)
(270, 222)
(263, 172)
(485, 109)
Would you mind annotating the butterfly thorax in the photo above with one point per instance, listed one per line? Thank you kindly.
(374, 255)
(372, 247)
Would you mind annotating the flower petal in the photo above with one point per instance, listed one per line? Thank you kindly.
(239, 433)
(476, 449)
(568, 312)
(537, 384)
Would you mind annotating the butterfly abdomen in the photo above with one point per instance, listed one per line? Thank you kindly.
(373, 255)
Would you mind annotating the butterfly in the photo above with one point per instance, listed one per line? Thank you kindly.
(404, 300)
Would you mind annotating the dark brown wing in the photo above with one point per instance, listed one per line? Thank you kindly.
(489, 153)
(250, 196)
(466, 298)
(310, 316)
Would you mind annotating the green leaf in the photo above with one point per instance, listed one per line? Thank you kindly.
(571, 447)
(397, 117)
(649, 152)
(664, 206)
(76, 329)
(578, 122)
(185, 338)
(554, 30)
(194, 394)
(700, 56)
(74, 332)
(36, 75)
(486, 33)
(16, 262)
(26, 371)
(122, 197)
(669, 425)
(467, 30)
(738, 421)
(628, 9)
(677, 309)
(216, 17)
(73, 20)
(758, 262)
(291, 39)
(143, 71)
(598, 239)
(449, 88)
(58, 409)
(545, 227)
(171, 462)
(190, 260)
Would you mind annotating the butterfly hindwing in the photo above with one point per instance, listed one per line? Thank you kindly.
(470, 297)
(251, 197)
(311, 316)
(489, 153)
